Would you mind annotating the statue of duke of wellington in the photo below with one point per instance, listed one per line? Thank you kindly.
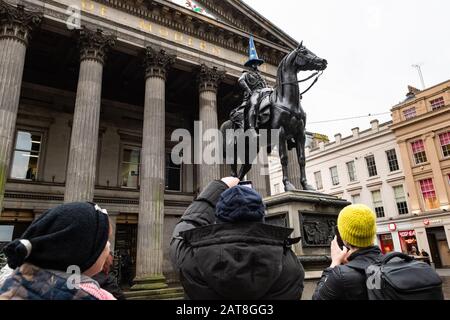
(279, 109)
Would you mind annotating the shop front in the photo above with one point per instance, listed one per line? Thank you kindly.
(439, 247)
(386, 243)
(408, 242)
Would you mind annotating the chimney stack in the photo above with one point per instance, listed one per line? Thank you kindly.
(338, 138)
(375, 124)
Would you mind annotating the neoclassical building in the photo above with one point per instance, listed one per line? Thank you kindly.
(90, 93)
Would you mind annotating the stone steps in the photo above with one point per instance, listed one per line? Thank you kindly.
(160, 294)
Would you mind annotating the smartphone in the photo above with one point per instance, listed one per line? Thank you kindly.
(338, 238)
(247, 184)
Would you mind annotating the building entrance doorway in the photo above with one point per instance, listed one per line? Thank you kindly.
(440, 252)
(125, 254)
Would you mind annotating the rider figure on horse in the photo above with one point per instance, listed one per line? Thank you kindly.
(251, 82)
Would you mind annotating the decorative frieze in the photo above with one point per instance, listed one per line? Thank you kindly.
(178, 19)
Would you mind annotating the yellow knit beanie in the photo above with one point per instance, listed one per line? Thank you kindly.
(357, 225)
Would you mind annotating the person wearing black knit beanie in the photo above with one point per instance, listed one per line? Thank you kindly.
(58, 254)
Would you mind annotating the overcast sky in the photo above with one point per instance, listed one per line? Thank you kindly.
(370, 46)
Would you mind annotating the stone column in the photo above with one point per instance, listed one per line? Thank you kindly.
(149, 273)
(113, 225)
(16, 25)
(81, 169)
(209, 79)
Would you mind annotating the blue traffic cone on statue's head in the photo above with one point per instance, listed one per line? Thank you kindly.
(253, 55)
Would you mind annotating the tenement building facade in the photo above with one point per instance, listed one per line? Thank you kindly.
(365, 167)
(90, 94)
(421, 125)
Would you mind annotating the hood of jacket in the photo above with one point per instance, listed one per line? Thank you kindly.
(238, 261)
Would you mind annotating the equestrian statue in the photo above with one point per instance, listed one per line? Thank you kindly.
(274, 109)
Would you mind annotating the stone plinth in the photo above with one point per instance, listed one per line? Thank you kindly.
(313, 217)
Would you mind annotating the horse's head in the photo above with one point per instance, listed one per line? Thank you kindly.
(305, 60)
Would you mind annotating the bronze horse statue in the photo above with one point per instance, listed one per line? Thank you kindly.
(286, 115)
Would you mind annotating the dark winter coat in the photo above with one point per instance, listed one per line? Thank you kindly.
(108, 282)
(345, 282)
(233, 261)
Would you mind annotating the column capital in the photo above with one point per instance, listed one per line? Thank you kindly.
(210, 78)
(94, 45)
(157, 62)
(17, 23)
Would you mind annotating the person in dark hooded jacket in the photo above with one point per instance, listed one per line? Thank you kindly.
(345, 279)
(223, 250)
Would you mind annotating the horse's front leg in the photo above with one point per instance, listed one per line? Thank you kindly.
(288, 186)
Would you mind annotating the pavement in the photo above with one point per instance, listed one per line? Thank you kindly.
(445, 275)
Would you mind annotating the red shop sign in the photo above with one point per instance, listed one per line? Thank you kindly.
(405, 234)
(426, 222)
(392, 227)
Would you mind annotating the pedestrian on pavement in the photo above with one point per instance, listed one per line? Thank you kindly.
(58, 254)
(357, 228)
(426, 256)
(223, 250)
(414, 251)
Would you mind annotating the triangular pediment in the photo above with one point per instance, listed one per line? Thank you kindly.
(241, 16)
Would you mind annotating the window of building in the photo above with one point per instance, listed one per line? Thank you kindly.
(437, 103)
(392, 160)
(429, 194)
(378, 203)
(26, 155)
(173, 174)
(409, 113)
(129, 171)
(444, 138)
(400, 199)
(334, 176)
(356, 198)
(318, 178)
(418, 149)
(6, 235)
(351, 171)
(371, 166)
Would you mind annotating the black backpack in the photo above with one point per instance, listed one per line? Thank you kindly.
(398, 276)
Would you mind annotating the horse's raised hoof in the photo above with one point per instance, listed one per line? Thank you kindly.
(289, 187)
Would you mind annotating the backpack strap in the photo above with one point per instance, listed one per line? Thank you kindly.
(393, 255)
